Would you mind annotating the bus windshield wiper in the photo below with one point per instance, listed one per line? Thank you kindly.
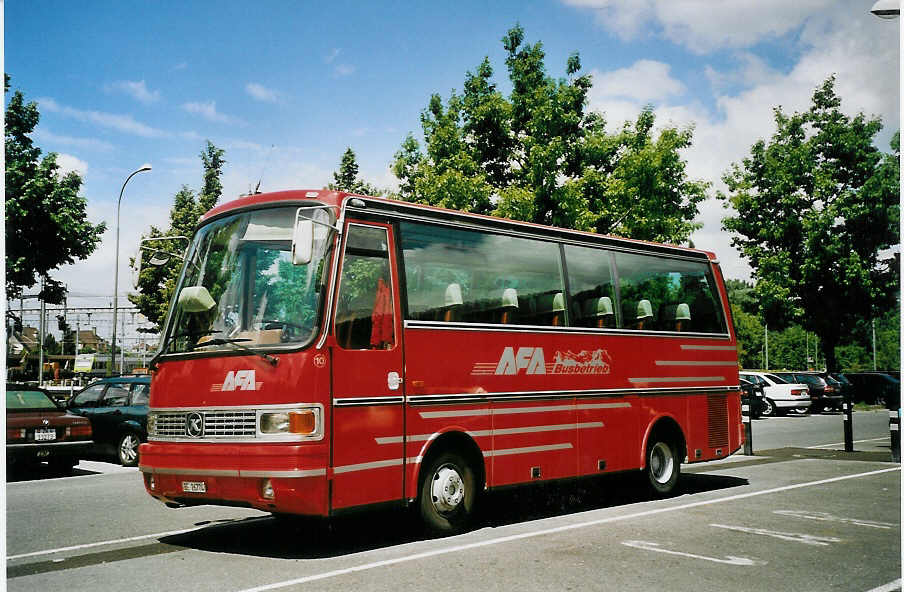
(236, 343)
(152, 365)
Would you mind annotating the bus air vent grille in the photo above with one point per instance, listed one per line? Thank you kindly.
(717, 418)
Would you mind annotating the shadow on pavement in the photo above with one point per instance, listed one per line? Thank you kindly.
(317, 539)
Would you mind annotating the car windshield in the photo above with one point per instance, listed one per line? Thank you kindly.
(23, 399)
(240, 288)
(777, 379)
(810, 379)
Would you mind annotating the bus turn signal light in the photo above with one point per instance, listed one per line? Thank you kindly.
(303, 422)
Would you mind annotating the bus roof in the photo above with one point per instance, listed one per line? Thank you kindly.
(404, 209)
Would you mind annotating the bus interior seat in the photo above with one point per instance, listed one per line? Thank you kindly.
(452, 302)
(644, 318)
(682, 317)
(508, 306)
(598, 312)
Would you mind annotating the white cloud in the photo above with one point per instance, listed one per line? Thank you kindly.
(69, 163)
(208, 110)
(844, 40)
(343, 70)
(262, 93)
(121, 123)
(138, 90)
(645, 81)
(704, 25)
(46, 137)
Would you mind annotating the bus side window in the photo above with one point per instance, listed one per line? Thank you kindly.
(364, 311)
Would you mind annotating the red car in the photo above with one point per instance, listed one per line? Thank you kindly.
(37, 430)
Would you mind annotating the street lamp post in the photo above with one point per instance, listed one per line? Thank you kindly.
(144, 167)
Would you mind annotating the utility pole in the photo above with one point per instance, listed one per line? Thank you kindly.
(874, 342)
(41, 339)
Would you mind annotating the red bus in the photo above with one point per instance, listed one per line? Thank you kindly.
(327, 351)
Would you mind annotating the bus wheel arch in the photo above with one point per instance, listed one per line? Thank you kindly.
(664, 450)
(451, 477)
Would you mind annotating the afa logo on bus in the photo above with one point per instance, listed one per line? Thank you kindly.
(532, 361)
(238, 380)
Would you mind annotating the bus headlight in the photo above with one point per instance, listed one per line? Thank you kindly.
(300, 422)
(275, 423)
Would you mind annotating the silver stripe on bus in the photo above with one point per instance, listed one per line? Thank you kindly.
(377, 464)
(234, 472)
(694, 363)
(459, 326)
(483, 398)
(677, 379)
(516, 410)
(354, 401)
(686, 346)
(528, 449)
(496, 432)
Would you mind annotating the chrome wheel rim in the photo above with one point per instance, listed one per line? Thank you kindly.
(447, 490)
(128, 449)
(662, 463)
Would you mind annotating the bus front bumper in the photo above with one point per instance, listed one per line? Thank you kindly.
(280, 478)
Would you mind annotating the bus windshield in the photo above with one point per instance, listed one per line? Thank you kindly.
(240, 289)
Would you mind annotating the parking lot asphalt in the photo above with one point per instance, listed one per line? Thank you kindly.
(805, 517)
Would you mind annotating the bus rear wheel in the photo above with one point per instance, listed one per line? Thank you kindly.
(448, 494)
(663, 466)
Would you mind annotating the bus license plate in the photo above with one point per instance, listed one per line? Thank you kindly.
(45, 435)
(194, 487)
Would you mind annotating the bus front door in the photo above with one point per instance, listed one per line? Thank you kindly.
(368, 382)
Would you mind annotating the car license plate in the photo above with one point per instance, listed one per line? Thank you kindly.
(45, 435)
(194, 487)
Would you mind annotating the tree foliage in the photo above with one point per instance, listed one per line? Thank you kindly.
(540, 155)
(156, 283)
(346, 178)
(814, 207)
(46, 219)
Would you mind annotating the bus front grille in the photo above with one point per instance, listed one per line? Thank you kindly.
(172, 425)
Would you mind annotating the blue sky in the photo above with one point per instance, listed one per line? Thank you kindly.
(285, 87)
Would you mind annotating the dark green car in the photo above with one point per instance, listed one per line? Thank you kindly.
(118, 410)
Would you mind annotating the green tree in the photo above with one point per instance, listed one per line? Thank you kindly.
(156, 283)
(814, 207)
(346, 178)
(212, 162)
(46, 219)
(540, 155)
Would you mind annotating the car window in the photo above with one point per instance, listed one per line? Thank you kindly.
(88, 397)
(116, 395)
(776, 379)
(26, 399)
(140, 393)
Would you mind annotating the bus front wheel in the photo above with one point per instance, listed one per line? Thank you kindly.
(448, 494)
(663, 466)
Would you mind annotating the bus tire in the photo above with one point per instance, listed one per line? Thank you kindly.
(448, 494)
(663, 465)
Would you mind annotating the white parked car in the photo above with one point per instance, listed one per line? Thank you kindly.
(779, 395)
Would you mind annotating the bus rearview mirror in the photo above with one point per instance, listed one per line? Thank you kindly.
(302, 241)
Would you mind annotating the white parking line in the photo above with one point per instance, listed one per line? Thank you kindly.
(558, 529)
(842, 443)
(127, 540)
(889, 587)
